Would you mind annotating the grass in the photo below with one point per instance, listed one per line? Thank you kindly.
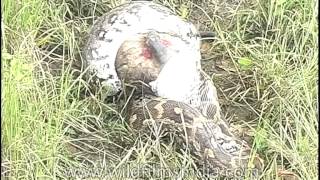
(268, 51)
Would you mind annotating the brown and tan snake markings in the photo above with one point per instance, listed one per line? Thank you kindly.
(210, 141)
(161, 63)
(124, 22)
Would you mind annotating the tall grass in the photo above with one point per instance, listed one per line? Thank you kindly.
(49, 126)
(285, 57)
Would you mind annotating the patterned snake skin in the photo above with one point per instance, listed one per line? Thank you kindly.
(211, 142)
(203, 127)
(160, 58)
(129, 19)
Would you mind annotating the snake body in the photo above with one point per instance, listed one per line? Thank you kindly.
(211, 142)
(202, 127)
(125, 21)
(184, 100)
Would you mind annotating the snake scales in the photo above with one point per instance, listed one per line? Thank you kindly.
(209, 136)
(162, 65)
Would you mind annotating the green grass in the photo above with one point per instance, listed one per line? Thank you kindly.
(48, 126)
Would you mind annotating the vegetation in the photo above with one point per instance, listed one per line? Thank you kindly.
(263, 61)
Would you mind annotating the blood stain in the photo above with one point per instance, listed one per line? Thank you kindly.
(146, 52)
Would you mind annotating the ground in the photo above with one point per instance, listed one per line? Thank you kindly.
(263, 61)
